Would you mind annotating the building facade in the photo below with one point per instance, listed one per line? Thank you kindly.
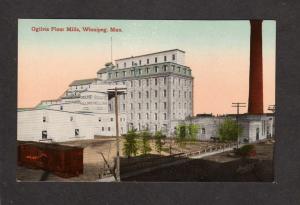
(159, 92)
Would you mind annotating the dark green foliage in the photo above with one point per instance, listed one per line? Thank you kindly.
(186, 133)
(130, 145)
(145, 147)
(159, 141)
(229, 130)
(245, 150)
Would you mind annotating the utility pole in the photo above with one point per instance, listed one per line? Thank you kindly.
(115, 92)
(238, 105)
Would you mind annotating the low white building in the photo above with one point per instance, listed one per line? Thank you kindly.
(255, 127)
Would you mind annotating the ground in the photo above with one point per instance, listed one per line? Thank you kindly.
(191, 171)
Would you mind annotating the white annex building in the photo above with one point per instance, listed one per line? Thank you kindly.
(159, 93)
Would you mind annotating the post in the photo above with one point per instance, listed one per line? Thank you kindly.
(238, 105)
(117, 135)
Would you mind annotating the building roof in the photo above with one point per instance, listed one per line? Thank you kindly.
(103, 70)
(83, 81)
(151, 54)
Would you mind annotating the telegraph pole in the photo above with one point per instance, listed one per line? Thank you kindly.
(115, 92)
(238, 105)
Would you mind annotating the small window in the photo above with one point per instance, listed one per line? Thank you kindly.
(156, 69)
(165, 93)
(108, 128)
(71, 118)
(140, 83)
(61, 107)
(147, 61)
(173, 57)
(165, 80)
(124, 107)
(203, 131)
(111, 119)
(140, 62)
(156, 106)
(102, 128)
(140, 106)
(155, 81)
(155, 59)
(124, 65)
(165, 116)
(147, 106)
(44, 119)
(155, 115)
(76, 132)
(44, 134)
(165, 105)
(156, 93)
(165, 68)
(140, 95)
(165, 58)
(147, 94)
(99, 119)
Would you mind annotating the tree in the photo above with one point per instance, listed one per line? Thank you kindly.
(130, 145)
(186, 133)
(145, 147)
(159, 137)
(229, 130)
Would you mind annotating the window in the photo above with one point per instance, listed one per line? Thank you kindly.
(156, 93)
(131, 83)
(179, 81)
(131, 116)
(76, 132)
(203, 131)
(131, 95)
(108, 128)
(124, 73)
(173, 67)
(165, 105)
(147, 70)
(102, 128)
(147, 116)
(140, 106)
(132, 72)
(165, 68)
(132, 63)
(147, 61)
(165, 93)
(109, 107)
(139, 125)
(173, 105)
(139, 116)
(99, 119)
(117, 74)
(140, 83)
(190, 94)
(131, 106)
(155, 81)
(124, 95)
(124, 65)
(155, 128)
(140, 95)
(179, 93)
(185, 94)
(147, 94)
(173, 93)
(117, 65)
(147, 82)
(61, 107)
(44, 134)
(111, 119)
(123, 107)
(165, 58)
(165, 116)
(71, 118)
(156, 69)
(140, 62)
(173, 57)
(44, 119)
(179, 69)
(140, 71)
(109, 76)
(155, 59)
(156, 106)
(147, 106)
(155, 116)
(165, 80)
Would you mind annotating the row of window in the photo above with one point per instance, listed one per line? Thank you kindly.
(143, 71)
(147, 61)
(148, 115)
(141, 127)
(99, 119)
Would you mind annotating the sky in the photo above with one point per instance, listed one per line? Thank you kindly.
(217, 52)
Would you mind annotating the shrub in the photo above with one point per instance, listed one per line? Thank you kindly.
(229, 130)
(159, 137)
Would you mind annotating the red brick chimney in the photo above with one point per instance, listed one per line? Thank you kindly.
(255, 104)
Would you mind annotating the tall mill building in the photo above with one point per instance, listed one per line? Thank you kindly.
(159, 89)
(159, 94)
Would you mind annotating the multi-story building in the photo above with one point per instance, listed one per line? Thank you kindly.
(158, 94)
(159, 89)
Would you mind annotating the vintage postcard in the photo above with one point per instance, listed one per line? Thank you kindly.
(146, 100)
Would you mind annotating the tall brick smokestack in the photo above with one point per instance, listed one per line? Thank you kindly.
(255, 104)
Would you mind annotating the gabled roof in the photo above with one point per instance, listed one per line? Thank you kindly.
(83, 81)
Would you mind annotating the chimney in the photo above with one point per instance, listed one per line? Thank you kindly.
(255, 104)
